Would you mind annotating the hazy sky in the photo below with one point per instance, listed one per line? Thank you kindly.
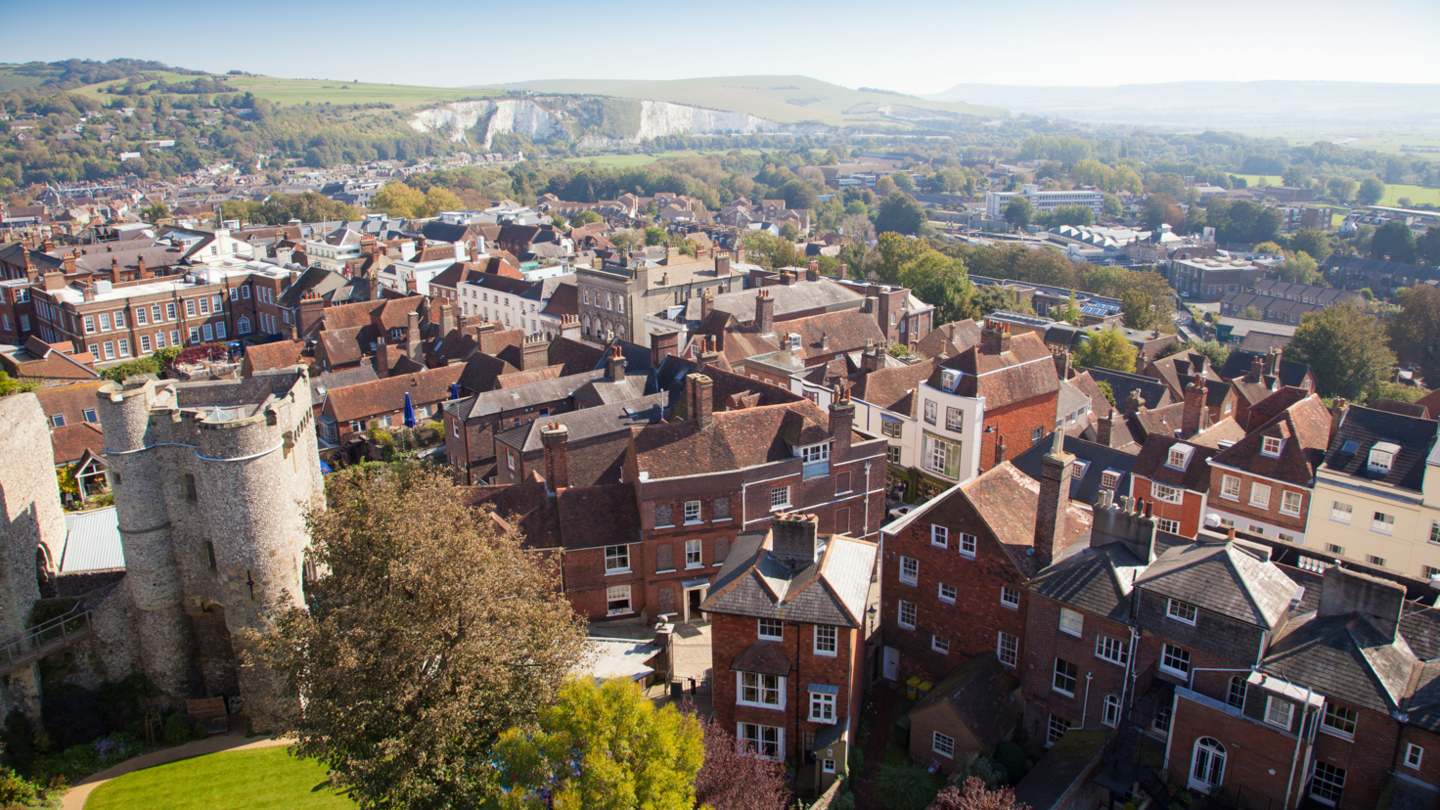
(921, 46)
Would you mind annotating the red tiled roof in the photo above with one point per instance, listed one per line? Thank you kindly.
(733, 440)
(278, 354)
(71, 442)
(70, 400)
(363, 400)
(1007, 500)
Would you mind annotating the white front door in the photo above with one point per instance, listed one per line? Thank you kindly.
(891, 666)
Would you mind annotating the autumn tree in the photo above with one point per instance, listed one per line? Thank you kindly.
(602, 747)
(429, 632)
(1345, 349)
(1414, 331)
(399, 200)
(975, 796)
(732, 779)
(1138, 310)
(1108, 348)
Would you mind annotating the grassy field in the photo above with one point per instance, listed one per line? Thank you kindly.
(786, 99)
(1417, 194)
(1270, 179)
(635, 161)
(260, 779)
(319, 91)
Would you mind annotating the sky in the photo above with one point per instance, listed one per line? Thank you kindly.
(918, 46)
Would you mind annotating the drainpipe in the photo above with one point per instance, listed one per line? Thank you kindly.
(1295, 759)
(1128, 680)
(867, 500)
(1085, 707)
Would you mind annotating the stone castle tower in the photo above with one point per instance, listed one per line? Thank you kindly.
(32, 529)
(211, 482)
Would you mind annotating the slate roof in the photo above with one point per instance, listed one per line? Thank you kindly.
(1095, 580)
(798, 297)
(832, 591)
(1153, 393)
(1366, 426)
(542, 391)
(1177, 370)
(1224, 578)
(1333, 655)
(1084, 487)
(588, 423)
(1239, 362)
(981, 693)
(322, 384)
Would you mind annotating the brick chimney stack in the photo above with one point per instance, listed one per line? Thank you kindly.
(995, 338)
(412, 334)
(794, 539)
(69, 262)
(812, 271)
(699, 402)
(1257, 368)
(1105, 428)
(709, 351)
(570, 326)
(871, 360)
(1050, 513)
(1193, 416)
(764, 312)
(615, 364)
(114, 270)
(555, 437)
(534, 353)
(143, 272)
(842, 420)
(662, 345)
(843, 273)
(722, 262)
(707, 304)
(1062, 364)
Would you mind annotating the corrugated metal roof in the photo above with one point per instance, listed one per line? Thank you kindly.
(92, 542)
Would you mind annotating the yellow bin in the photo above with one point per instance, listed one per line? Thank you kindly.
(910, 687)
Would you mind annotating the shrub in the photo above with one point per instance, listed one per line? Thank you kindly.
(907, 786)
(15, 791)
(177, 729)
(18, 741)
(1012, 756)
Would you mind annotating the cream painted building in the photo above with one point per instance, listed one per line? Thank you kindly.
(1377, 496)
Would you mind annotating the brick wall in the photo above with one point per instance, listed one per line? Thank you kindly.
(1270, 514)
(1042, 643)
(1429, 770)
(1189, 513)
(586, 583)
(1017, 423)
(1213, 641)
(1257, 756)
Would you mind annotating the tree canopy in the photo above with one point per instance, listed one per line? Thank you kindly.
(1345, 349)
(1414, 331)
(602, 747)
(1394, 241)
(900, 213)
(1108, 348)
(429, 633)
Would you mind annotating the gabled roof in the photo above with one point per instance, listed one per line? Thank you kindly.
(1228, 578)
(980, 693)
(588, 423)
(1024, 372)
(524, 396)
(1361, 428)
(356, 402)
(1240, 361)
(1084, 486)
(1304, 431)
(833, 590)
(71, 401)
(276, 354)
(1153, 393)
(1345, 658)
(1177, 370)
(1007, 500)
(322, 384)
(733, 440)
(73, 441)
(893, 388)
(1095, 580)
(1153, 463)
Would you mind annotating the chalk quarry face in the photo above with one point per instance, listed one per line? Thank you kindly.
(568, 119)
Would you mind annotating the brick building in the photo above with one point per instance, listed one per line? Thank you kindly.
(1171, 475)
(790, 613)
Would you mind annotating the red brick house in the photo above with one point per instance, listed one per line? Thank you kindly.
(790, 613)
(355, 408)
(1172, 476)
(1262, 483)
(954, 574)
(1017, 379)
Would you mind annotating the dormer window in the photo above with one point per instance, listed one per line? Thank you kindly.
(794, 342)
(1270, 446)
(1179, 456)
(1382, 455)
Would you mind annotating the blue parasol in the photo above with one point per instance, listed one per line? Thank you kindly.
(409, 411)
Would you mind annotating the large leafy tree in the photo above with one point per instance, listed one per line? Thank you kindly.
(1414, 331)
(428, 633)
(1345, 349)
(1394, 241)
(900, 213)
(1428, 247)
(1299, 269)
(1313, 243)
(1371, 191)
(1019, 212)
(602, 747)
(940, 281)
(1108, 348)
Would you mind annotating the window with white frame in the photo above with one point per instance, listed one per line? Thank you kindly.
(1260, 495)
(954, 419)
(1167, 525)
(692, 511)
(617, 600)
(1110, 711)
(1290, 502)
(1179, 456)
(1341, 512)
(1109, 479)
(1180, 611)
(940, 645)
(1230, 487)
(1327, 783)
(1270, 446)
(939, 536)
(815, 453)
(967, 545)
(617, 559)
(827, 640)
(1168, 494)
(1007, 649)
(940, 456)
(909, 570)
(759, 689)
(1435, 532)
(1112, 650)
(779, 498)
(694, 554)
(1057, 728)
(943, 744)
(1278, 712)
(1381, 459)
(907, 615)
(827, 765)
(1071, 621)
(1382, 523)
(822, 705)
(1175, 660)
(1009, 597)
(947, 594)
(1066, 676)
(1413, 755)
(930, 410)
(770, 630)
(764, 741)
(1340, 720)
(891, 427)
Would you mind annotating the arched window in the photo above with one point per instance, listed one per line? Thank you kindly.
(243, 325)
(1207, 764)
(587, 324)
(1236, 697)
(1110, 715)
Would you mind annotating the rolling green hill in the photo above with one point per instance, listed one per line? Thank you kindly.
(320, 91)
(784, 99)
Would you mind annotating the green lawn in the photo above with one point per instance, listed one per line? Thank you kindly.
(1417, 194)
(258, 779)
(1270, 179)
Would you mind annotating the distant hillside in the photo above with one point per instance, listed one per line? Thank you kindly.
(782, 99)
(1218, 104)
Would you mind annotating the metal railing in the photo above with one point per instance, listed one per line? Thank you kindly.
(52, 635)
